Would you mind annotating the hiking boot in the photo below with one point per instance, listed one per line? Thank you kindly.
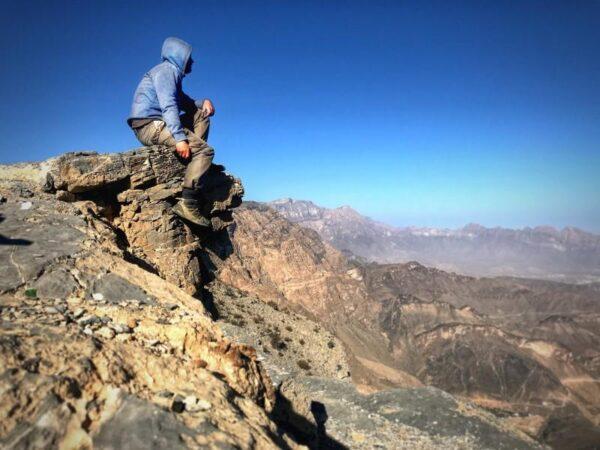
(188, 209)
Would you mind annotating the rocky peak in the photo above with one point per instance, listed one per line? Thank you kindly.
(133, 193)
(299, 210)
(123, 326)
(101, 343)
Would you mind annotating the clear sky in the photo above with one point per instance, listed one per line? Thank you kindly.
(414, 113)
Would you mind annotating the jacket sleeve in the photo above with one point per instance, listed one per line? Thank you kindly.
(165, 84)
(188, 104)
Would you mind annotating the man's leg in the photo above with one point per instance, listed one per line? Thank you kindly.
(149, 133)
(191, 205)
(201, 153)
(197, 123)
(202, 157)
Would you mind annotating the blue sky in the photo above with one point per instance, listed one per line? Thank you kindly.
(415, 113)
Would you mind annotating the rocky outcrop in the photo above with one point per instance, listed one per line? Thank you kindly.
(96, 351)
(134, 192)
(121, 325)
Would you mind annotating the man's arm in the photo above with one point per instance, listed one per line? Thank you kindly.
(188, 104)
(165, 84)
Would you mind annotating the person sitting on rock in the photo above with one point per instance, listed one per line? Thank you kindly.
(162, 114)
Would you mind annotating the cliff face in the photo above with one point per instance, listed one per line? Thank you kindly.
(121, 326)
(96, 351)
(511, 345)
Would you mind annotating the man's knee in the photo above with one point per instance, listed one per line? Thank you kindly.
(202, 151)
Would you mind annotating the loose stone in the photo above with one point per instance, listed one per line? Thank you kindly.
(106, 333)
(120, 328)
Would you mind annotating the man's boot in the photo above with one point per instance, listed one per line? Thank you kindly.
(189, 209)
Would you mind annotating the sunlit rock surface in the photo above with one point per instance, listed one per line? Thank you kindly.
(121, 326)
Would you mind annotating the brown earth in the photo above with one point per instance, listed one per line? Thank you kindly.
(525, 349)
(121, 326)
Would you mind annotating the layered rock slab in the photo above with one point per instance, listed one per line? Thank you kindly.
(89, 340)
(139, 344)
(135, 192)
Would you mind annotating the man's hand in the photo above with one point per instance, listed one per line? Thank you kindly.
(183, 149)
(207, 108)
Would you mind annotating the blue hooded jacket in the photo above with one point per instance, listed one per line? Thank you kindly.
(159, 94)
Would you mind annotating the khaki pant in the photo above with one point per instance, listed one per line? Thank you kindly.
(196, 129)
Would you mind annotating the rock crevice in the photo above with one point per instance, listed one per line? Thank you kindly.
(134, 192)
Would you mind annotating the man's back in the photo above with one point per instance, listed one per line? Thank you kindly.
(158, 94)
(156, 119)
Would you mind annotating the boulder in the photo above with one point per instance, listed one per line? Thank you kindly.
(134, 193)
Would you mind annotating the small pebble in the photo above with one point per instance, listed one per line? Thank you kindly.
(178, 404)
(194, 404)
(88, 331)
(106, 333)
(98, 296)
(124, 337)
(120, 328)
(165, 394)
(88, 320)
(78, 313)
(51, 310)
(152, 342)
(200, 363)
(73, 300)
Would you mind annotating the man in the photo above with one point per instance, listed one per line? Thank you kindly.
(162, 114)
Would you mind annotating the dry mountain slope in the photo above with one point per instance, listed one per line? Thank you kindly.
(96, 352)
(525, 349)
(115, 332)
(542, 252)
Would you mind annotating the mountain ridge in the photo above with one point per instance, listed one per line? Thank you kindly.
(405, 323)
(470, 226)
(568, 254)
(118, 328)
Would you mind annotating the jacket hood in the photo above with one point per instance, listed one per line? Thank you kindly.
(177, 52)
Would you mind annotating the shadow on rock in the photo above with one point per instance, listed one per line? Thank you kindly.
(313, 435)
(9, 241)
(223, 193)
(134, 194)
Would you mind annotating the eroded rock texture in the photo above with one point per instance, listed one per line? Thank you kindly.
(525, 349)
(102, 345)
(134, 192)
(96, 352)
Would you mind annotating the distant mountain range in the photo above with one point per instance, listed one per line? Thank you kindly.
(570, 254)
(96, 271)
(527, 350)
